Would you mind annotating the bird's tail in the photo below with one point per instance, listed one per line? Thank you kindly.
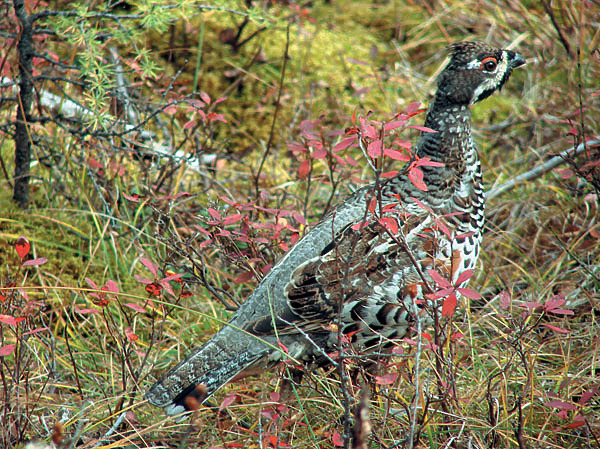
(205, 370)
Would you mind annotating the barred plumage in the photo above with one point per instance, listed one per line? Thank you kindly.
(362, 279)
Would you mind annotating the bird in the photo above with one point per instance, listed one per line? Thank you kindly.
(351, 275)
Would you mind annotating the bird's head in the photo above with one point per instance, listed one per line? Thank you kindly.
(475, 71)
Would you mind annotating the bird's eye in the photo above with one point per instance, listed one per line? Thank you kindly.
(489, 64)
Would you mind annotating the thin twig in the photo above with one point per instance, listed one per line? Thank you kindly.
(277, 106)
(417, 369)
(112, 430)
(545, 167)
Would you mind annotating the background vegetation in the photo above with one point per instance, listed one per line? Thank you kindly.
(178, 149)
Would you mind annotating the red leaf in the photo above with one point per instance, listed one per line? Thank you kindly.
(367, 129)
(244, 277)
(337, 439)
(423, 129)
(92, 284)
(319, 154)
(575, 424)
(386, 379)
(588, 395)
(390, 224)
(560, 405)
(173, 277)
(359, 226)
(7, 350)
(505, 299)
(554, 302)
(374, 148)
(560, 330)
(304, 169)
(7, 319)
(565, 173)
(35, 262)
(439, 280)
(413, 109)
(141, 280)
(130, 335)
(86, 311)
(94, 163)
(231, 219)
(283, 347)
(396, 155)
(420, 204)
(372, 206)
(213, 213)
(449, 305)
(22, 246)
(189, 124)
(134, 197)
(154, 288)
(457, 336)
(299, 218)
(36, 331)
(465, 275)
(112, 286)
(562, 312)
(406, 144)
(136, 307)
(170, 109)
(227, 402)
(214, 116)
(416, 177)
(345, 143)
(394, 124)
(149, 265)
(205, 97)
(468, 293)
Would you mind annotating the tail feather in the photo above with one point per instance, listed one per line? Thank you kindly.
(205, 370)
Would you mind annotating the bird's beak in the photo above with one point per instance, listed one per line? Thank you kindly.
(517, 60)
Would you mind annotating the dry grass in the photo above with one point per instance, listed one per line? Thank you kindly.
(519, 376)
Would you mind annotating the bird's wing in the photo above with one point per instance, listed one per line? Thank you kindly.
(364, 263)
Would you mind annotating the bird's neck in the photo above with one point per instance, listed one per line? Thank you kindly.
(452, 145)
(452, 138)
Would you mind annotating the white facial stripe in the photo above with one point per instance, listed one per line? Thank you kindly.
(492, 83)
(474, 64)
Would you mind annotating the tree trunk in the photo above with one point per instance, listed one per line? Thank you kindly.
(25, 95)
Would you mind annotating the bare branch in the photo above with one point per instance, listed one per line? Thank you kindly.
(545, 167)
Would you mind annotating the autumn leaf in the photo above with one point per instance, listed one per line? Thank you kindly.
(416, 177)
(386, 379)
(154, 288)
(304, 169)
(35, 262)
(337, 439)
(449, 305)
(244, 277)
(149, 265)
(22, 246)
(130, 335)
(136, 307)
(227, 402)
(7, 350)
